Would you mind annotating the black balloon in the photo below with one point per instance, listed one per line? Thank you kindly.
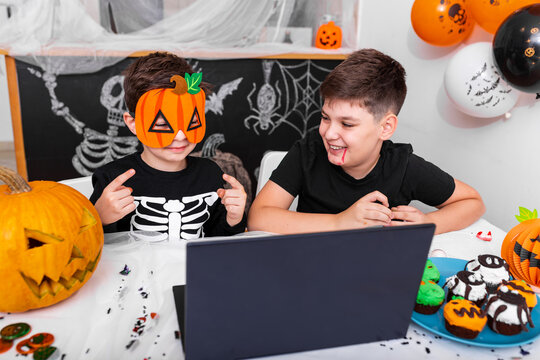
(516, 48)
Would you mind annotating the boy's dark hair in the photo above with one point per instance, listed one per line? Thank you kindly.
(154, 71)
(370, 79)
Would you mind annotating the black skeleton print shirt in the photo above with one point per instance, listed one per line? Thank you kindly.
(326, 188)
(179, 205)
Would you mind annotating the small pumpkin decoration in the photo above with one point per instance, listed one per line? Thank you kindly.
(51, 239)
(328, 36)
(521, 247)
(161, 113)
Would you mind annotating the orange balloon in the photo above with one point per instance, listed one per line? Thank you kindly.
(441, 22)
(489, 14)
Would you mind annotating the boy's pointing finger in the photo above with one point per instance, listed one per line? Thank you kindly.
(231, 180)
(121, 179)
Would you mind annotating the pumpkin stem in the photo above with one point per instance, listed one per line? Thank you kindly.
(180, 84)
(14, 181)
(526, 214)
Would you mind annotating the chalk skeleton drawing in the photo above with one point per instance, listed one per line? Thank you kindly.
(174, 218)
(96, 148)
(293, 106)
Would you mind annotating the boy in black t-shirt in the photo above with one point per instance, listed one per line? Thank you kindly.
(350, 175)
(162, 189)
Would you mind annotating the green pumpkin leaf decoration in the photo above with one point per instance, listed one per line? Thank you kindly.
(193, 82)
(526, 214)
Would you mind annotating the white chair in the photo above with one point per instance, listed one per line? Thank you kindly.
(81, 184)
(269, 162)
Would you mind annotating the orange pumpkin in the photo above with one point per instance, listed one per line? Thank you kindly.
(328, 36)
(51, 241)
(521, 247)
(161, 113)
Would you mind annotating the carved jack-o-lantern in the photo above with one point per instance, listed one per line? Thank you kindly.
(50, 242)
(328, 36)
(521, 247)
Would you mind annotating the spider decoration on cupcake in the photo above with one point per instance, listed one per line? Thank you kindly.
(507, 312)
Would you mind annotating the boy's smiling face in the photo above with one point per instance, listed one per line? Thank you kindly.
(352, 137)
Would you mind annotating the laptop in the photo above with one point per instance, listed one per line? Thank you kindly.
(256, 296)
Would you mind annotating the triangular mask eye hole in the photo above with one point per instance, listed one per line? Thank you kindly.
(161, 124)
(195, 121)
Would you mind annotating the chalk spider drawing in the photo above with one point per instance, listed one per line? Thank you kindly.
(266, 110)
(301, 101)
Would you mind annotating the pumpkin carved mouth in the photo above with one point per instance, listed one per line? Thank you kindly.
(42, 246)
(49, 286)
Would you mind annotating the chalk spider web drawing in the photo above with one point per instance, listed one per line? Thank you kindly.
(298, 107)
(96, 148)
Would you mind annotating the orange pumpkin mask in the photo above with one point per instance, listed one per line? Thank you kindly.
(328, 36)
(161, 113)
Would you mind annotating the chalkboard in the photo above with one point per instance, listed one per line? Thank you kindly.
(73, 124)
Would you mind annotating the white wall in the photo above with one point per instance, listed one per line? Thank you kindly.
(6, 132)
(498, 157)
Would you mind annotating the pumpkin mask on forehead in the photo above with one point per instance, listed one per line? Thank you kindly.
(161, 113)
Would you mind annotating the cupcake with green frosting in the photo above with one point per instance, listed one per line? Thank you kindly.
(429, 298)
(431, 273)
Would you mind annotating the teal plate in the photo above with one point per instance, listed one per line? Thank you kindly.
(487, 337)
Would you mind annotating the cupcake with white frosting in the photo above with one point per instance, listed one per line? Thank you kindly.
(508, 313)
(492, 268)
(467, 285)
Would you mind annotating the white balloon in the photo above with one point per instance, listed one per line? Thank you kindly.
(474, 84)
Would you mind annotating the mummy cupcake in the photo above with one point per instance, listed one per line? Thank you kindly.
(431, 273)
(507, 312)
(467, 285)
(492, 268)
(463, 318)
(524, 290)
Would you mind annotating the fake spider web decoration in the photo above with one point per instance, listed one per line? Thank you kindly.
(293, 100)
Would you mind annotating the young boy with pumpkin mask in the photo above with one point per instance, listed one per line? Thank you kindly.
(163, 189)
(349, 174)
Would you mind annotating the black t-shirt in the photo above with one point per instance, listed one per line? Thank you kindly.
(326, 188)
(183, 204)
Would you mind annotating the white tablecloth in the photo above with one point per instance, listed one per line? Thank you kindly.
(110, 317)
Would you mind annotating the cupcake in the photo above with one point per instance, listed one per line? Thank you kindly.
(507, 312)
(463, 318)
(431, 273)
(467, 285)
(524, 290)
(429, 298)
(492, 268)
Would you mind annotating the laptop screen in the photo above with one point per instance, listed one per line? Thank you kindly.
(248, 297)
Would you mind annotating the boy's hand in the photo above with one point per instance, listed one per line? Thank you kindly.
(408, 215)
(234, 200)
(372, 209)
(116, 201)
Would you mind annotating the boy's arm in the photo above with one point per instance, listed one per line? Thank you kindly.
(269, 212)
(462, 209)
